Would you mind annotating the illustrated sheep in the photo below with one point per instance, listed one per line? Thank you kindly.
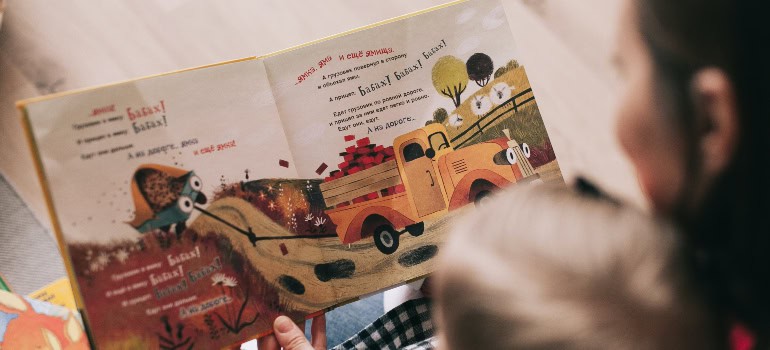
(500, 93)
(456, 120)
(481, 105)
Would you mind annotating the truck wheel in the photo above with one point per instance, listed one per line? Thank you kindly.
(481, 198)
(386, 239)
(416, 230)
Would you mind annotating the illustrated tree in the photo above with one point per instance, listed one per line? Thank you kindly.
(480, 68)
(511, 65)
(450, 78)
(440, 116)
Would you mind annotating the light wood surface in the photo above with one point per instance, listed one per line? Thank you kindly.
(50, 46)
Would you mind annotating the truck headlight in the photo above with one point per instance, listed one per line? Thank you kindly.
(526, 150)
(505, 157)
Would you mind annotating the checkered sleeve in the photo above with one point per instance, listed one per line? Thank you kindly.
(407, 325)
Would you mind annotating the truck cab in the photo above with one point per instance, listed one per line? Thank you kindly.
(440, 178)
(417, 155)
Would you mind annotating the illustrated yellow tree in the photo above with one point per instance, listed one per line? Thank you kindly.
(450, 78)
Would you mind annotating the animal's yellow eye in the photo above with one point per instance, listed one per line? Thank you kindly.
(185, 204)
(195, 183)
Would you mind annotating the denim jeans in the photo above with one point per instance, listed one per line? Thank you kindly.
(344, 322)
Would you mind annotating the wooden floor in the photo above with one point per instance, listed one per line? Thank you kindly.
(49, 46)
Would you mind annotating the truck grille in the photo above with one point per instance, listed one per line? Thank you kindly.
(459, 166)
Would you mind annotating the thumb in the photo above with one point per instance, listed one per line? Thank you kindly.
(289, 336)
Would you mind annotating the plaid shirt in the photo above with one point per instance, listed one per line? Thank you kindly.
(408, 326)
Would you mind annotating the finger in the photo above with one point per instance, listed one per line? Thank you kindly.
(268, 343)
(289, 336)
(427, 287)
(318, 332)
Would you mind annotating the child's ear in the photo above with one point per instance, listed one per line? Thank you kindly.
(717, 109)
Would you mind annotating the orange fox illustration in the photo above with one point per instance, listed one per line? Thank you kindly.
(26, 328)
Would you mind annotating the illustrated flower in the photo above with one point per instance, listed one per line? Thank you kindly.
(94, 266)
(319, 221)
(309, 217)
(103, 259)
(121, 255)
(220, 279)
(230, 282)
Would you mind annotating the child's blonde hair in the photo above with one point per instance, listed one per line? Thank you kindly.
(548, 268)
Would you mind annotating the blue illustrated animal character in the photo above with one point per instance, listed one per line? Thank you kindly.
(163, 197)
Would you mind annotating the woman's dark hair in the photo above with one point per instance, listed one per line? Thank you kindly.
(727, 232)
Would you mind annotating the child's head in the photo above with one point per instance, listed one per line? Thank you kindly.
(547, 268)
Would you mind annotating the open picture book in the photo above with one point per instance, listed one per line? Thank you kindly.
(192, 208)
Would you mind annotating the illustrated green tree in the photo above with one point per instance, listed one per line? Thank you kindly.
(450, 78)
(480, 68)
(511, 65)
(440, 116)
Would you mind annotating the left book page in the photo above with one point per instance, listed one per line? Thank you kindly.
(139, 176)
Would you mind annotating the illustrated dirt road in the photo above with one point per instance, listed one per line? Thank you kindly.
(317, 273)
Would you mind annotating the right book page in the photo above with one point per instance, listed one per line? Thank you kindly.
(405, 123)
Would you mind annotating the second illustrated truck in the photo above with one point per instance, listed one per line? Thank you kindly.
(432, 177)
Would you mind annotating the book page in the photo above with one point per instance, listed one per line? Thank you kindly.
(408, 122)
(26, 323)
(58, 292)
(152, 185)
(4, 286)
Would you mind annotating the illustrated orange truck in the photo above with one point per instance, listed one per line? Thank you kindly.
(434, 178)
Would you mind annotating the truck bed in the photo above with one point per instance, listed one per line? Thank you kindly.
(372, 180)
(344, 217)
